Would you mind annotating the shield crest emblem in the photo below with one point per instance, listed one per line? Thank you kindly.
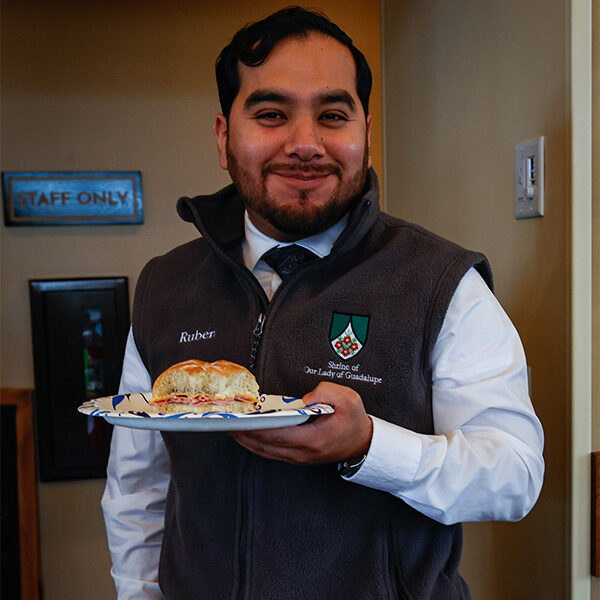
(348, 334)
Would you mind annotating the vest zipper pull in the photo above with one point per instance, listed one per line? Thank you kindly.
(258, 331)
(260, 325)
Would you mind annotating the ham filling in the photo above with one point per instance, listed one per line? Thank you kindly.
(202, 398)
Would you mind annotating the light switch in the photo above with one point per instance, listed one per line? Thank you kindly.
(529, 179)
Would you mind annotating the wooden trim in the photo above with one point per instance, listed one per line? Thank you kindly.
(580, 132)
(28, 497)
(596, 514)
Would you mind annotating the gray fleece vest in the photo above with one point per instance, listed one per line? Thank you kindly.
(238, 526)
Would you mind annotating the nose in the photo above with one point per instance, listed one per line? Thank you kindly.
(304, 141)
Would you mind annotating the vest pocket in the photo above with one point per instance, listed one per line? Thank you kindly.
(424, 555)
(398, 589)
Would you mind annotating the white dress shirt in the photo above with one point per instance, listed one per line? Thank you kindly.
(483, 462)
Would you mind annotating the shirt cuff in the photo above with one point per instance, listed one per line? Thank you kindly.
(392, 460)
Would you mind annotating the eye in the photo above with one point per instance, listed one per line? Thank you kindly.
(333, 118)
(270, 117)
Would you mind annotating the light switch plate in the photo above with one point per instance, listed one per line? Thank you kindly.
(529, 179)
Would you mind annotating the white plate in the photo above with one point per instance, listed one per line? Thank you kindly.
(133, 410)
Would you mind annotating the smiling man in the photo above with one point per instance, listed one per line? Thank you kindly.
(300, 277)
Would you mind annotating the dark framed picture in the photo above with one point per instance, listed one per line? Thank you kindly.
(79, 331)
(20, 577)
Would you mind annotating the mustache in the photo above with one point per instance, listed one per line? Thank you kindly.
(281, 168)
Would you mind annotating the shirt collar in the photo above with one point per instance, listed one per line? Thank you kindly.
(256, 243)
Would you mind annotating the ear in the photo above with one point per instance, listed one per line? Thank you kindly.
(221, 131)
(370, 164)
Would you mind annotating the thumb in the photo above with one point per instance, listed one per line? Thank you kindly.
(331, 393)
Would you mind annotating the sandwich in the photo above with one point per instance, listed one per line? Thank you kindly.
(198, 386)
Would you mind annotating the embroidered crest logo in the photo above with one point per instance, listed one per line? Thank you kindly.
(348, 334)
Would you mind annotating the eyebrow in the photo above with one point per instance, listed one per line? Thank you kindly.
(327, 97)
(260, 96)
(337, 96)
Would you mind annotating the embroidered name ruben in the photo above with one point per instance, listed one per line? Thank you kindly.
(185, 336)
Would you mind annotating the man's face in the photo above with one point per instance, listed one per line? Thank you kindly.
(297, 141)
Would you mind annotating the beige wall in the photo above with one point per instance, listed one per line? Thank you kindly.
(465, 81)
(596, 216)
(596, 244)
(596, 220)
(119, 86)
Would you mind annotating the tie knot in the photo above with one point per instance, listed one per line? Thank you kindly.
(284, 260)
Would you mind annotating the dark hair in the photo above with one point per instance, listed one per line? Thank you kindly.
(253, 43)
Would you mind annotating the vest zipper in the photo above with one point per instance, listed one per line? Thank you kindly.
(258, 331)
(245, 484)
(243, 529)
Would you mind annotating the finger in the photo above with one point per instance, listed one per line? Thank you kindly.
(291, 455)
(285, 437)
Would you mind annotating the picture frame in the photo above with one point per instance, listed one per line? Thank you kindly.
(21, 571)
(79, 331)
(595, 505)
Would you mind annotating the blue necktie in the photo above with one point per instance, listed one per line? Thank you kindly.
(284, 260)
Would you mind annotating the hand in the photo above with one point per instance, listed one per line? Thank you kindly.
(329, 438)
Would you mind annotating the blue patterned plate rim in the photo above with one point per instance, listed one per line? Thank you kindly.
(137, 406)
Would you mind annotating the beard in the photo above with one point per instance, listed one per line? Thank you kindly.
(303, 217)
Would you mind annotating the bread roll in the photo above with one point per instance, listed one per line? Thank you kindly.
(198, 386)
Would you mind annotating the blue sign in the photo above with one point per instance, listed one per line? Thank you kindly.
(72, 198)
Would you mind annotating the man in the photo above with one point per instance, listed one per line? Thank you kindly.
(394, 327)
